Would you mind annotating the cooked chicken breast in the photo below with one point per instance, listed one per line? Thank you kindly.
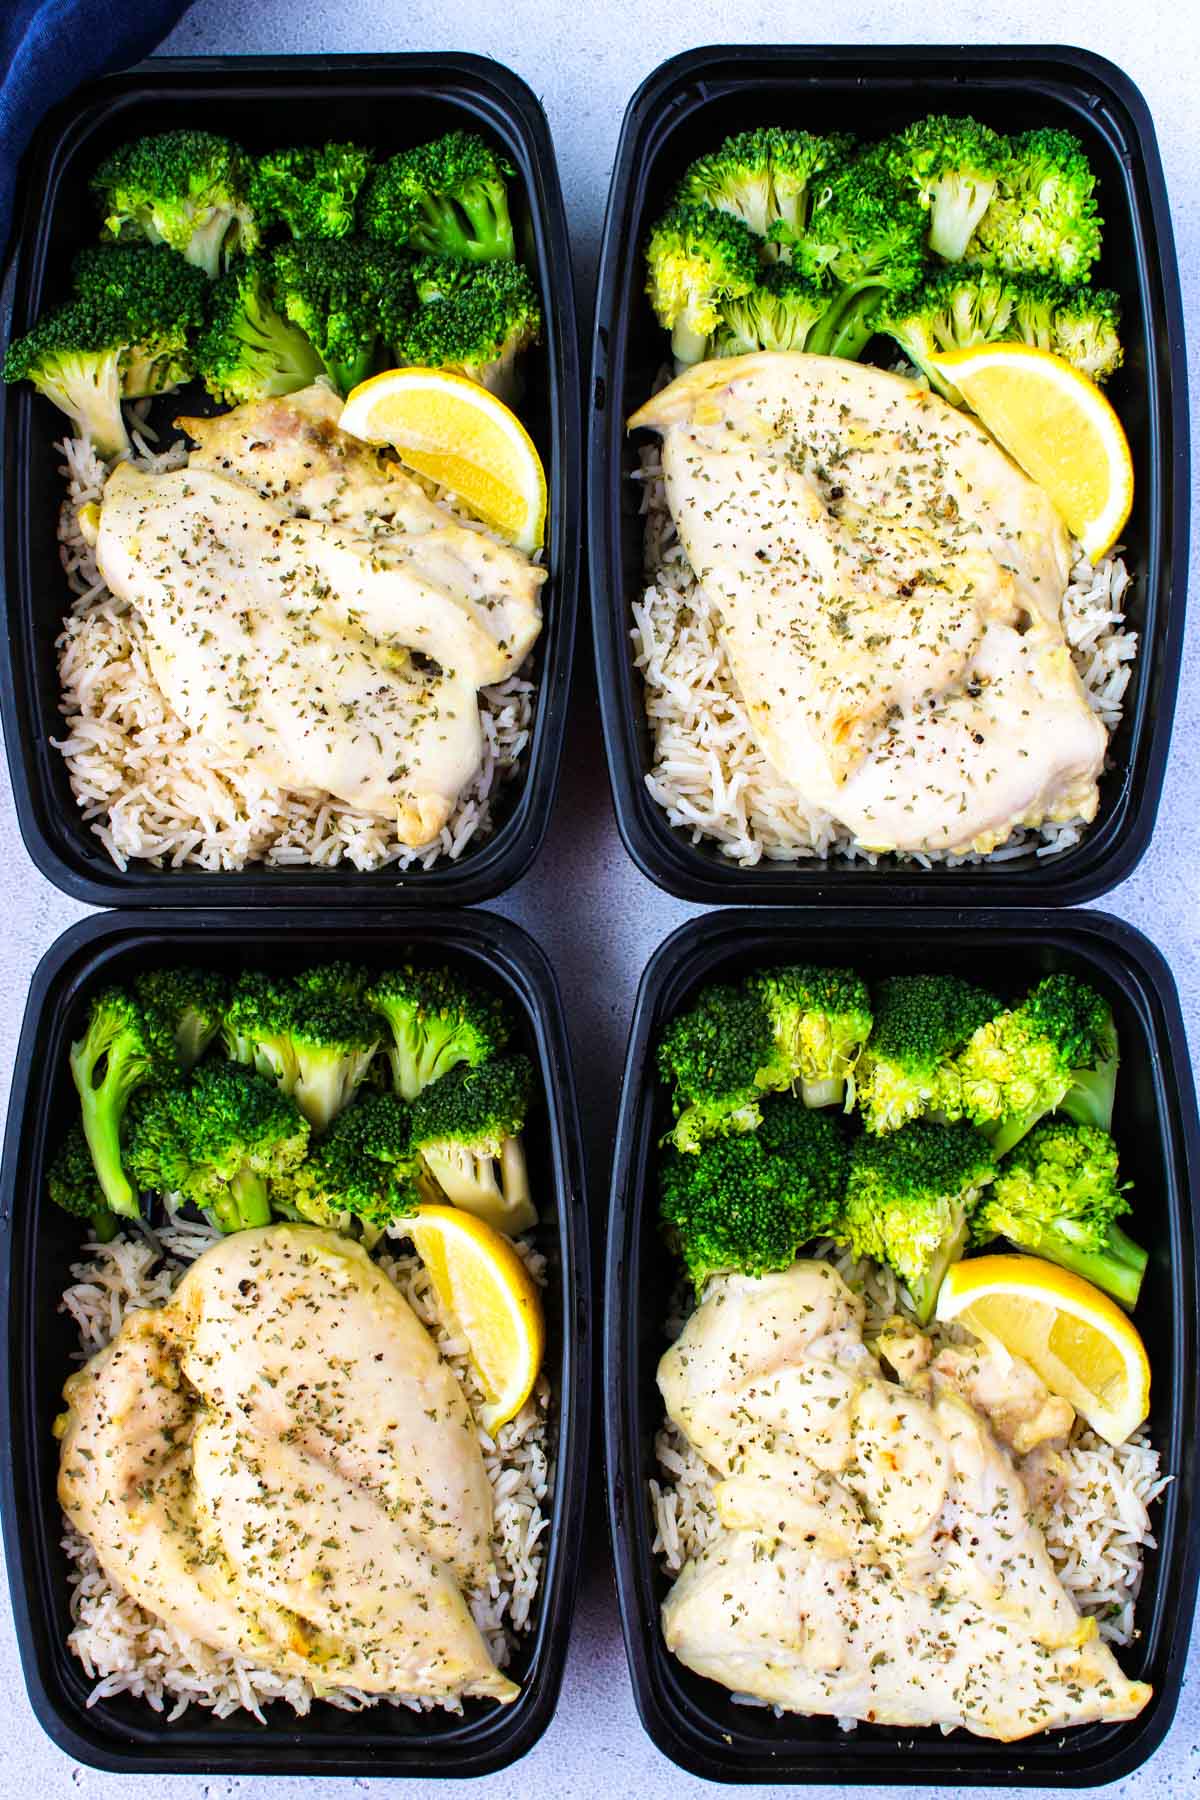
(279, 1464)
(876, 1557)
(313, 612)
(889, 585)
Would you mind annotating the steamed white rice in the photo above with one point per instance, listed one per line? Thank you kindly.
(154, 792)
(708, 773)
(125, 1650)
(1097, 1526)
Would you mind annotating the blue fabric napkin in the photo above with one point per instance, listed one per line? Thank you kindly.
(48, 47)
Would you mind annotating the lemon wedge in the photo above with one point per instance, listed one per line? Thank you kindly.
(479, 1277)
(1058, 426)
(1079, 1341)
(459, 435)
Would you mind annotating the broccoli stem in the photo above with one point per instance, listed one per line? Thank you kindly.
(688, 345)
(924, 1293)
(1089, 1099)
(1117, 1269)
(205, 245)
(1005, 1133)
(245, 1204)
(102, 1129)
(829, 1092)
(104, 1225)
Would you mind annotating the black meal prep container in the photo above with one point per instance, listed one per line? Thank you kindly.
(39, 1243)
(388, 102)
(694, 1721)
(687, 106)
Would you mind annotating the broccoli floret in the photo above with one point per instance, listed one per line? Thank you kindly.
(763, 177)
(120, 1051)
(718, 1058)
(952, 165)
(248, 351)
(163, 299)
(866, 233)
(1080, 324)
(447, 198)
(698, 259)
(335, 981)
(779, 313)
(909, 1199)
(338, 295)
(437, 1021)
(908, 1068)
(79, 358)
(951, 310)
(72, 1184)
(182, 188)
(1056, 1052)
(748, 1202)
(1057, 1196)
(218, 1140)
(467, 1129)
(309, 191)
(187, 1005)
(317, 1046)
(1042, 218)
(819, 1019)
(475, 318)
(363, 1169)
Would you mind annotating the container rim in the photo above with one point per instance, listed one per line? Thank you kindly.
(678, 1728)
(60, 844)
(470, 1748)
(1110, 849)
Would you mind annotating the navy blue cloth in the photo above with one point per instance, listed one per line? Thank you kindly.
(48, 47)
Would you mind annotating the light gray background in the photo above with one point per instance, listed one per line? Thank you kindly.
(594, 914)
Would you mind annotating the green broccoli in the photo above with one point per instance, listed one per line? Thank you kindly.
(698, 260)
(187, 1005)
(446, 198)
(475, 318)
(764, 177)
(218, 1140)
(952, 165)
(780, 313)
(107, 346)
(466, 1127)
(338, 980)
(162, 296)
(909, 1199)
(362, 1170)
(437, 1021)
(338, 295)
(72, 1184)
(1057, 1196)
(1081, 324)
(718, 1057)
(749, 1202)
(908, 1068)
(951, 310)
(248, 351)
(311, 192)
(1042, 218)
(866, 233)
(318, 1046)
(182, 188)
(1056, 1052)
(119, 1052)
(819, 1019)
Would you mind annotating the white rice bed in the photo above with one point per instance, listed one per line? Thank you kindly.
(125, 1650)
(154, 792)
(1097, 1530)
(708, 773)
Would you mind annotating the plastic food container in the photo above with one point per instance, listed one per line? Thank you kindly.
(388, 102)
(39, 1243)
(695, 1721)
(688, 105)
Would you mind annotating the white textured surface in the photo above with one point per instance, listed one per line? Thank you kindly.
(593, 913)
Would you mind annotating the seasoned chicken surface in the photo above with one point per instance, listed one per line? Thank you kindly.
(876, 1558)
(314, 613)
(889, 586)
(279, 1464)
